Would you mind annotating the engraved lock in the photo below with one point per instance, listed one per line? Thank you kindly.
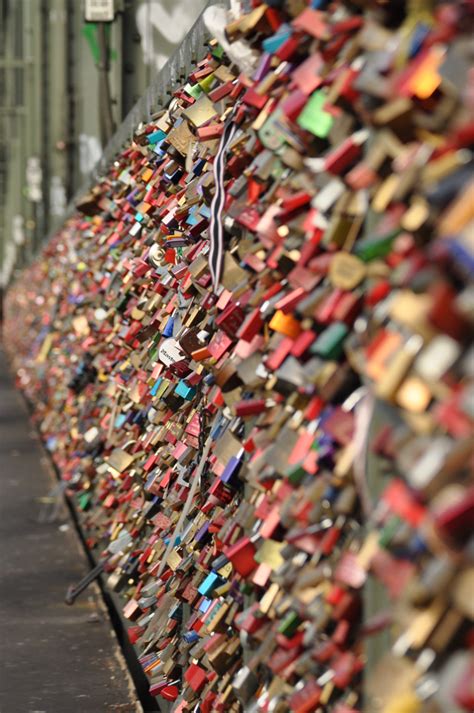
(271, 135)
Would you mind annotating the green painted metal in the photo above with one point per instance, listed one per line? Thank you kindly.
(54, 96)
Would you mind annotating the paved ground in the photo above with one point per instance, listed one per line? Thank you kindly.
(53, 658)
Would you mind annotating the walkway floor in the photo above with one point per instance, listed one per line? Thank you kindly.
(53, 658)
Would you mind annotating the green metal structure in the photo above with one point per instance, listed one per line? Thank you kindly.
(65, 86)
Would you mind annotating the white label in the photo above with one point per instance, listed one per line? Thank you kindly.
(99, 10)
(435, 360)
(170, 352)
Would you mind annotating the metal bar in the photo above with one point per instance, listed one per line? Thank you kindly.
(75, 589)
(105, 100)
(45, 117)
(70, 138)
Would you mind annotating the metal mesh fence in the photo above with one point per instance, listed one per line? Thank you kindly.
(157, 95)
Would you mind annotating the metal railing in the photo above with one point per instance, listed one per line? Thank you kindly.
(156, 97)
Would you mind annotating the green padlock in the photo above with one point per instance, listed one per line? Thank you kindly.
(330, 343)
(314, 118)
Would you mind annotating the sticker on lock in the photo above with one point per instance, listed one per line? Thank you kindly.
(271, 134)
(170, 352)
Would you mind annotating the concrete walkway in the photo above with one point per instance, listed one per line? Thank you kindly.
(53, 658)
